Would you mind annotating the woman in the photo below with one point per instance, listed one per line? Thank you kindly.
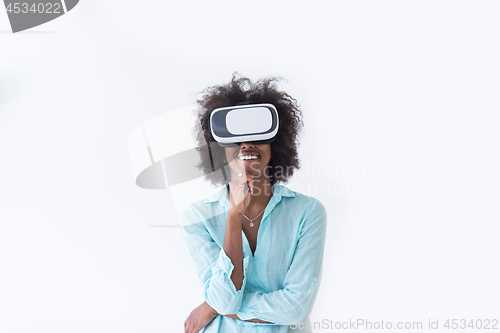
(256, 245)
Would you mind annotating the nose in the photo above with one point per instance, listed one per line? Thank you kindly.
(246, 144)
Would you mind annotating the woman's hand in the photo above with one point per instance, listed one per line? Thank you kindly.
(240, 190)
(199, 318)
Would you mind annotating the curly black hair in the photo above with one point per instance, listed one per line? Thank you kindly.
(241, 89)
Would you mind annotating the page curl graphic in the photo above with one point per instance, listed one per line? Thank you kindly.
(26, 14)
(164, 155)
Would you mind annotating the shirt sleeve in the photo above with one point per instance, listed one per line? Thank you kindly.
(212, 265)
(294, 302)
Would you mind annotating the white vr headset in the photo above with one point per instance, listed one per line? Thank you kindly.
(257, 123)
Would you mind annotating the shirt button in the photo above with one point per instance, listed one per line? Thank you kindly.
(246, 269)
(314, 280)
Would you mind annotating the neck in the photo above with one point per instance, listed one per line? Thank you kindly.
(262, 191)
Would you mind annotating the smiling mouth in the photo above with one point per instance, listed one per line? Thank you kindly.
(248, 157)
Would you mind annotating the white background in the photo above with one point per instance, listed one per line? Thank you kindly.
(406, 89)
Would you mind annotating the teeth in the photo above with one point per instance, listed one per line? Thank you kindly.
(254, 157)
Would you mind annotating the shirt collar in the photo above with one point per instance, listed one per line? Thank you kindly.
(222, 197)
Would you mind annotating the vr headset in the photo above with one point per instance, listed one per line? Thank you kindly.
(257, 123)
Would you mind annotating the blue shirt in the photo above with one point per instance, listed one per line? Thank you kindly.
(281, 278)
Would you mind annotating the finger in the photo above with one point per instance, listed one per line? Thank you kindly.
(237, 189)
(246, 191)
(190, 328)
(237, 183)
(250, 184)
